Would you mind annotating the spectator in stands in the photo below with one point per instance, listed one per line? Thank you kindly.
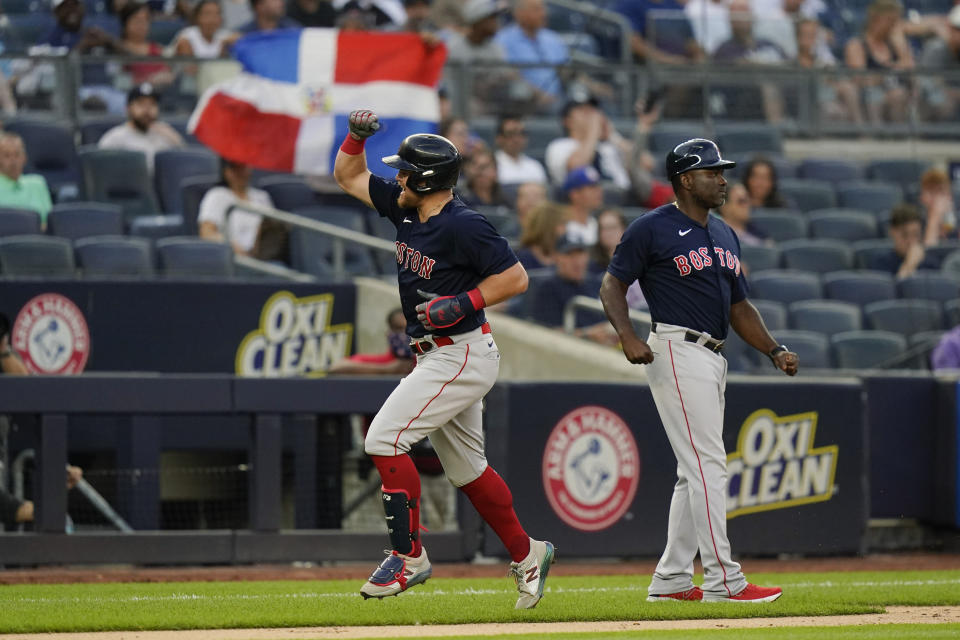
(513, 164)
(709, 21)
(937, 200)
(907, 254)
(760, 179)
(70, 34)
(837, 97)
(530, 195)
(735, 211)
(368, 15)
(28, 191)
(134, 30)
(646, 189)
(585, 195)
(591, 140)
(236, 13)
(538, 235)
(610, 225)
(142, 131)
(243, 229)
(457, 131)
(397, 360)
(312, 13)
(14, 511)
(205, 38)
(777, 21)
(528, 41)
(883, 46)
(943, 54)
(10, 362)
(946, 355)
(667, 40)
(418, 20)
(482, 188)
(268, 15)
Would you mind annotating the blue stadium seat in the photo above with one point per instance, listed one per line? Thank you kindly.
(17, 222)
(51, 151)
(664, 136)
(540, 132)
(833, 170)
(785, 285)
(192, 190)
(382, 228)
(75, 220)
(156, 227)
(313, 252)
(941, 250)
(866, 251)
(866, 349)
(754, 137)
(11, 7)
(759, 257)
(876, 197)
(926, 285)
(172, 166)
(36, 255)
(842, 224)
(812, 348)
(925, 342)
(288, 192)
(951, 310)
(774, 313)
(784, 167)
(93, 129)
(193, 257)
(904, 316)
(901, 171)
(162, 30)
(859, 287)
(825, 316)
(780, 226)
(808, 195)
(111, 256)
(818, 255)
(119, 177)
(503, 219)
(30, 27)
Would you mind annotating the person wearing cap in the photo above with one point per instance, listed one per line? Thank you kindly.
(942, 54)
(142, 131)
(688, 265)
(585, 195)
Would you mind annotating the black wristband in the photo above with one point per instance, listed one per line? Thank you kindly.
(773, 353)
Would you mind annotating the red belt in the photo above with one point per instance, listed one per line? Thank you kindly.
(423, 346)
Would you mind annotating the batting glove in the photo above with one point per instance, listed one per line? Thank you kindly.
(442, 312)
(363, 123)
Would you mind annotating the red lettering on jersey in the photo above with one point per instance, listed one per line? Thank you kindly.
(415, 261)
(682, 265)
(736, 260)
(697, 262)
(426, 267)
(730, 262)
(410, 251)
(707, 260)
(401, 249)
(719, 253)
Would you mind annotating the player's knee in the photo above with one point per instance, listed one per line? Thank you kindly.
(378, 443)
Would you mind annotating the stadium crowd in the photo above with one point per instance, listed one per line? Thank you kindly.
(853, 263)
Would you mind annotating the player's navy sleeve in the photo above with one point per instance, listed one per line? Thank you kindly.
(481, 247)
(384, 194)
(629, 260)
(739, 289)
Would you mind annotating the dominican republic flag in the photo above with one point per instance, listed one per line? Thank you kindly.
(288, 108)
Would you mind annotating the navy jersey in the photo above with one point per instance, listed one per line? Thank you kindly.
(448, 254)
(689, 274)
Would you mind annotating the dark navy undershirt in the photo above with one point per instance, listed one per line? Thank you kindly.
(689, 274)
(452, 252)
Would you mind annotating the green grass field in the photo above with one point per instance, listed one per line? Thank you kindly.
(198, 605)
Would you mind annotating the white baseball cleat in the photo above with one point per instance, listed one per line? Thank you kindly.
(397, 573)
(531, 573)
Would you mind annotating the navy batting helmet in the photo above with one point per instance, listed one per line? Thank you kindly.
(698, 153)
(432, 160)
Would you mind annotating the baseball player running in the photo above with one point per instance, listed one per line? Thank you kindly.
(688, 265)
(451, 263)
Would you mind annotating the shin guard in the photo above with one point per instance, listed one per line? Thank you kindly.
(397, 506)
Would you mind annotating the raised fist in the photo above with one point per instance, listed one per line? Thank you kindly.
(363, 123)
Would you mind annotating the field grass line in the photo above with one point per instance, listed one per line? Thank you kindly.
(181, 597)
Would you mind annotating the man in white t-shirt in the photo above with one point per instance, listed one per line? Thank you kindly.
(243, 227)
(591, 140)
(142, 131)
(513, 165)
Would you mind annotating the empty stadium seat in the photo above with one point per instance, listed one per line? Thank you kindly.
(859, 287)
(93, 129)
(755, 137)
(30, 28)
(825, 316)
(866, 349)
(288, 192)
(15, 222)
(780, 226)
(929, 286)
(812, 348)
(784, 285)
(36, 255)
(114, 256)
(162, 30)
(900, 171)
(819, 255)
(951, 265)
(119, 177)
(876, 197)
(156, 227)
(865, 252)
(830, 170)
(849, 225)
(938, 252)
(904, 316)
(784, 167)
(774, 313)
(664, 136)
(540, 132)
(923, 342)
(193, 257)
(808, 195)
(951, 310)
(192, 190)
(172, 166)
(313, 252)
(51, 151)
(75, 220)
(503, 219)
(760, 257)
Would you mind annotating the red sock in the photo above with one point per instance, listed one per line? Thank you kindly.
(398, 473)
(492, 499)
